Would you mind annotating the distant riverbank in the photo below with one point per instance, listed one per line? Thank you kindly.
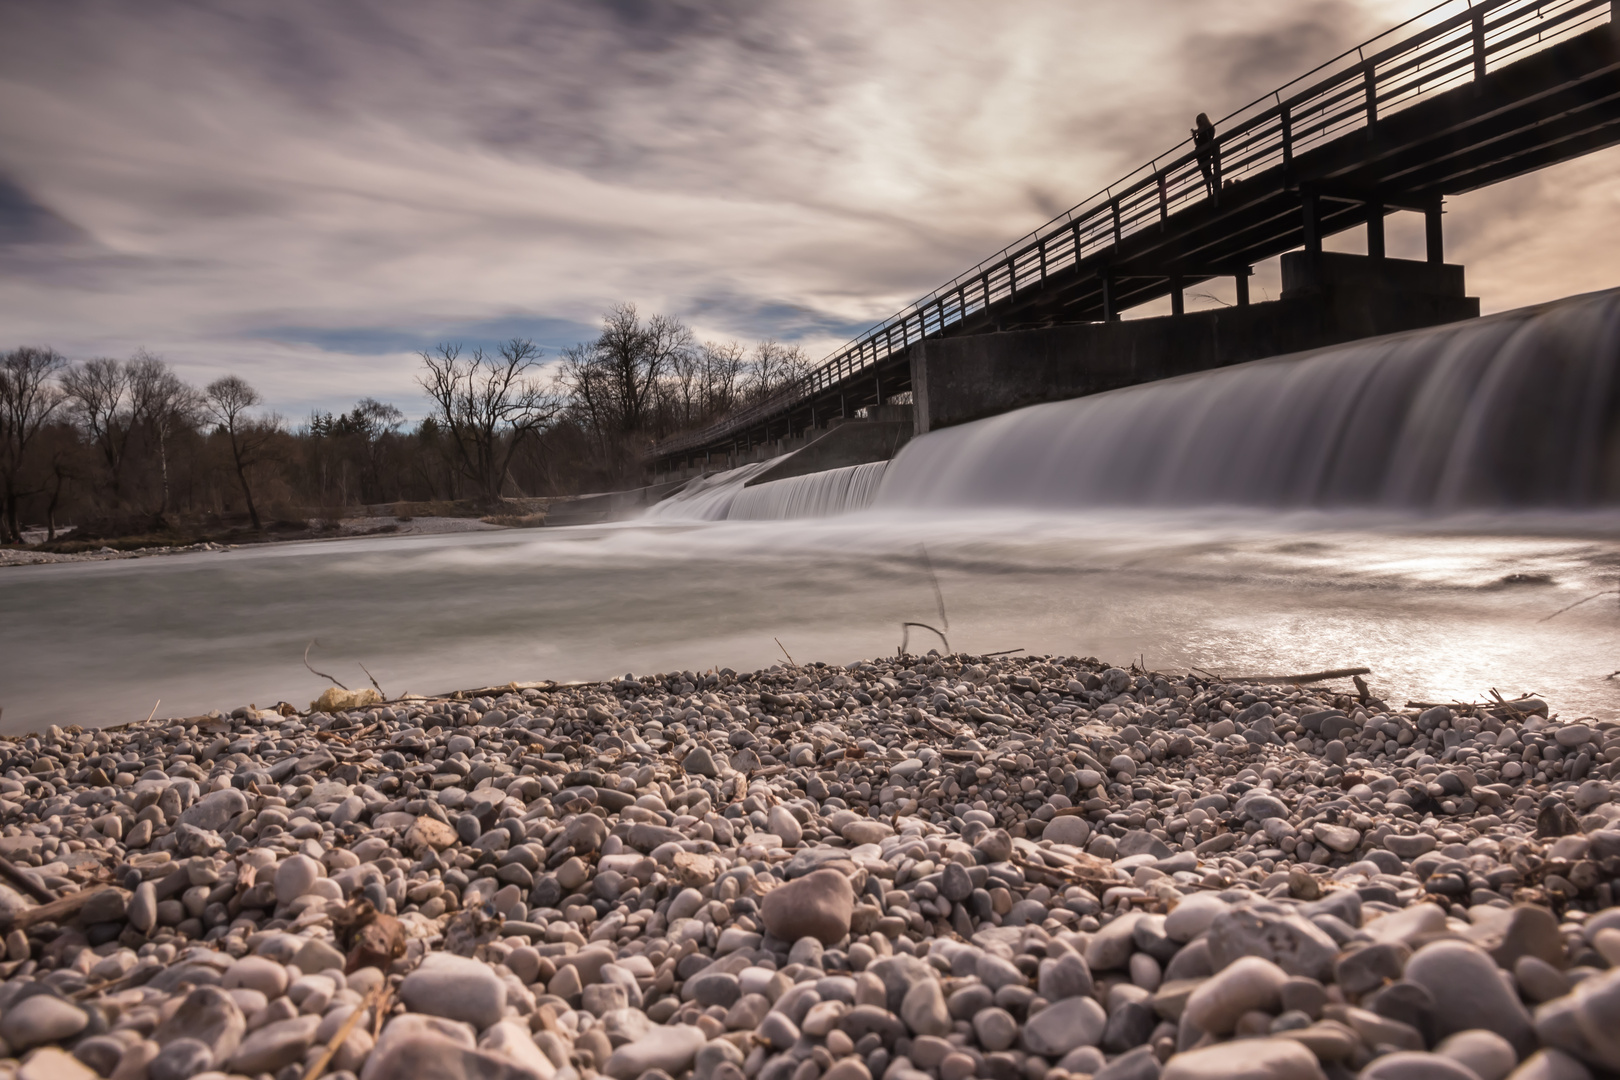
(348, 529)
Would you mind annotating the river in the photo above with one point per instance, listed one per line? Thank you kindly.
(1438, 609)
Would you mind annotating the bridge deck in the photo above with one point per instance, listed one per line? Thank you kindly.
(1470, 96)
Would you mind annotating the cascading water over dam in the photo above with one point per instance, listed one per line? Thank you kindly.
(1516, 410)
(726, 496)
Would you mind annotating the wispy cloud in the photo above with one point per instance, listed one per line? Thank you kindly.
(310, 192)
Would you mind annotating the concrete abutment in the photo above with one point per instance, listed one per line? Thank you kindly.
(1328, 298)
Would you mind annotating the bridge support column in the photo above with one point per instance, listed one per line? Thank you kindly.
(1310, 210)
(1375, 230)
(1109, 299)
(1433, 232)
(1178, 298)
(1242, 283)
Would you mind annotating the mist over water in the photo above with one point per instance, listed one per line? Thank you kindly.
(1419, 505)
(1427, 610)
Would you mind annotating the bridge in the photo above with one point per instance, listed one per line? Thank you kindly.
(1467, 94)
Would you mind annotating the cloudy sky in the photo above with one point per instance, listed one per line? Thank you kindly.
(306, 193)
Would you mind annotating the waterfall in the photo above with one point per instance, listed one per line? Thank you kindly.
(1515, 410)
(708, 498)
(725, 496)
(821, 494)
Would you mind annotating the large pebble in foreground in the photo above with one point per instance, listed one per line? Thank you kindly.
(818, 905)
(456, 988)
(1246, 1059)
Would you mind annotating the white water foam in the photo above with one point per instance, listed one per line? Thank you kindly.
(726, 497)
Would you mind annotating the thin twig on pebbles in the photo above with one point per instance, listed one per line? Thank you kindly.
(320, 674)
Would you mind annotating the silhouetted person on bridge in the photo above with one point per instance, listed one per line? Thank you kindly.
(1209, 162)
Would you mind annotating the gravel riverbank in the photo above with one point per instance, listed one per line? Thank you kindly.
(929, 869)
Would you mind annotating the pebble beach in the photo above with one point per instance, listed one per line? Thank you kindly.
(915, 868)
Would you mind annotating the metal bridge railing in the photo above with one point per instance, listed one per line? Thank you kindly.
(1447, 45)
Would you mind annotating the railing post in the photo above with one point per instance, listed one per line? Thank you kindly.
(1286, 121)
(1012, 274)
(1040, 245)
(1371, 82)
(1479, 43)
(1114, 206)
(1164, 195)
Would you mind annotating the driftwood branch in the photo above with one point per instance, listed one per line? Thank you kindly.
(26, 883)
(1308, 677)
(374, 682)
(56, 911)
(785, 653)
(933, 579)
(318, 1066)
(320, 674)
(905, 635)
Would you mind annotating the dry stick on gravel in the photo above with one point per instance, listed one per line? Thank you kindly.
(1308, 677)
(905, 635)
(385, 1001)
(939, 602)
(57, 910)
(318, 1066)
(320, 674)
(374, 682)
(25, 882)
(933, 579)
(785, 653)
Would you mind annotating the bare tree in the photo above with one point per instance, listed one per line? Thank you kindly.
(633, 357)
(586, 380)
(487, 406)
(227, 401)
(98, 394)
(775, 367)
(724, 366)
(165, 403)
(28, 398)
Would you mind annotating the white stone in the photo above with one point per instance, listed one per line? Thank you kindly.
(457, 988)
(1063, 1026)
(1245, 984)
(670, 1048)
(294, 877)
(1246, 1059)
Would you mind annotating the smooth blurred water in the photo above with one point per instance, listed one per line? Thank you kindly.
(1423, 603)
